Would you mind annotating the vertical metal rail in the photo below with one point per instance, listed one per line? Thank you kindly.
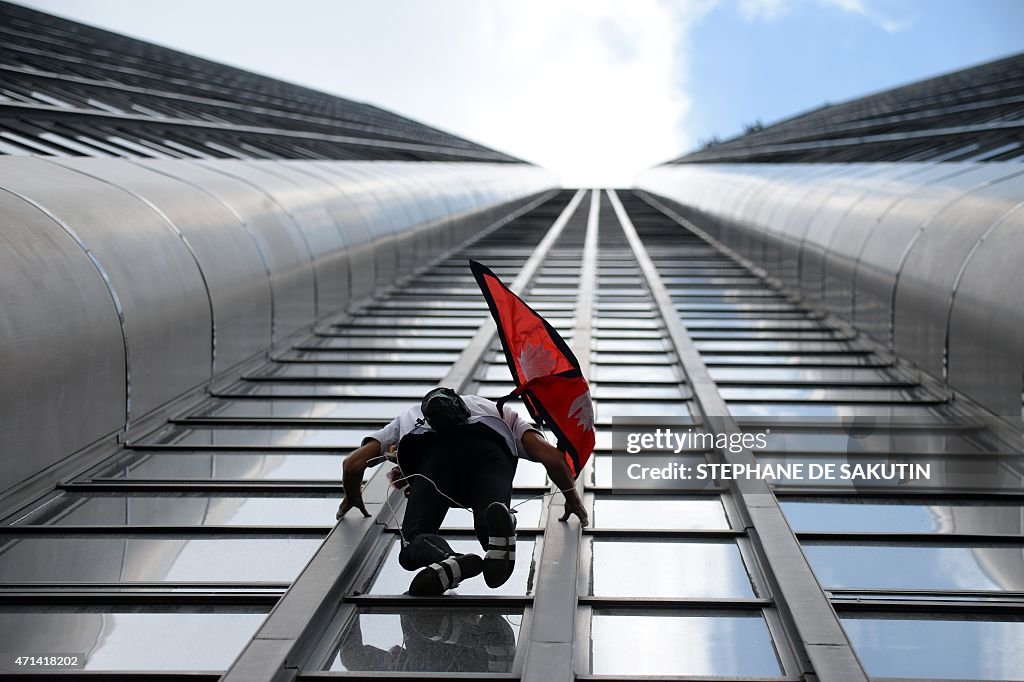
(549, 651)
(813, 623)
(290, 632)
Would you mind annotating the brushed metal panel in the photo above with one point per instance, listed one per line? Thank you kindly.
(279, 241)
(345, 204)
(986, 325)
(783, 212)
(925, 285)
(61, 346)
(849, 189)
(236, 279)
(320, 234)
(881, 259)
(849, 238)
(385, 219)
(166, 310)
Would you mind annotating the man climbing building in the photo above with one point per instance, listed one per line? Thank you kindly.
(457, 451)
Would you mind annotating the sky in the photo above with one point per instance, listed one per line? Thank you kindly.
(595, 90)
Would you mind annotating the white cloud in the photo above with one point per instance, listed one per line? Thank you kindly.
(592, 89)
(770, 10)
(766, 10)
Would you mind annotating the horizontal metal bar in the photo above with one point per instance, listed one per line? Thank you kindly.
(853, 537)
(447, 601)
(145, 530)
(670, 533)
(142, 598)
(664, 603)
(122, 485)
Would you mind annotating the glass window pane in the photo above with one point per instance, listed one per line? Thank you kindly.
(667, 568)
(637, 392)
(624, 512)
(527, 514)
(666, 643)
(449, 640)
(393, 579)
(231, 466)
(319, 390)
(372, 410)
(919, 567)
(876, 395)
(834, 411)
(115, 639)
(646, 374)
(903, 516)
(142, 559)
(529, 475)
(185, 510)
(342, 372)
(942, 648)
(606, 409)
(343, 438)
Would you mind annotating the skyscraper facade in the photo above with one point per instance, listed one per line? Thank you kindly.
(215, 284)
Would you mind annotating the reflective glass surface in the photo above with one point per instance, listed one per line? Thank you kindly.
(375, 410)
(393, 579)
(674, 569)
(881, 441)
(821, 374)
(975, 649)
(658, 374)
(660, 512)
(527, 514)
(404, 371)
(876, 516)
(185, 510)
(677, 643)
(530, 475)
(419, 639)
(342, 438)
(248, 466)
(130, 639)
(919, 567)
(336, 390)
(878, 395)
(606, 409)
(830, 410)
(635, 392)
(90, 558)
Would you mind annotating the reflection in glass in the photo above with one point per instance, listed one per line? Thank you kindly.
(105, 559)
(527, 514)
(917, 567)
(420, 639)
(185, 510)
(642, 374)
(231, 466)
(678, 569)
(372, 410)
(393, 579)
(942, 648)
(678, 643)
(847, 515)
(339, 390)
(623, 512)
(140, 640)
(341, 438)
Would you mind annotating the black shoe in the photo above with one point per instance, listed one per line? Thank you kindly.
(445, 575)
(500, 559)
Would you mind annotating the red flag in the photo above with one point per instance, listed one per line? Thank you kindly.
(546, 373)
